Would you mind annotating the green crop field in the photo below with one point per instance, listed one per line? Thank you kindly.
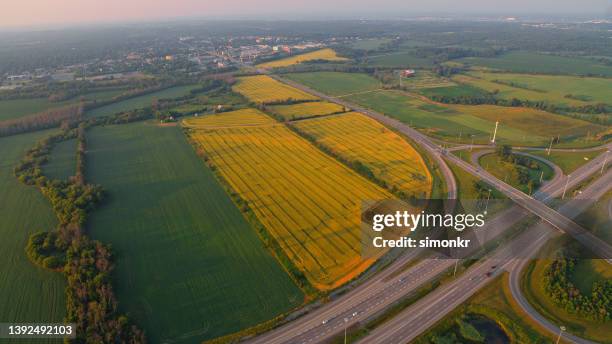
(559, 89)
(27, 293)
(16, 108)
(189, 267)
(462, 90)
(140, 101)
(370, 43)
(526, 62)
(402, 59)
(62, 162)
(336, 83)
(521, 126)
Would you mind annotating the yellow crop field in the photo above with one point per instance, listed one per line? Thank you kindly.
(243, 117)
(308, 109)
(323, 54)
(264, 89)
(356, 137)
(309, 202)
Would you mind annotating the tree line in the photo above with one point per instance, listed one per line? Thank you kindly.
(43, 120)
(558, 285)
(86, 263)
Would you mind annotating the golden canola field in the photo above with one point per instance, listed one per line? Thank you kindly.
(323, 54)
(356, 137)
(238, 118)
(264, 89)
(308, 109)
(307, 200)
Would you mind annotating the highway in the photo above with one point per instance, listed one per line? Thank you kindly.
(416, 319)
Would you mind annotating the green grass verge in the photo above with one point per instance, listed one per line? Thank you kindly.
(189, 267)
(27, 292)
(495, 303)
(507, 172)
(533, 288)
(567, 161)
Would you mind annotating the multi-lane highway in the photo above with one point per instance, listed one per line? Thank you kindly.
(415, 319)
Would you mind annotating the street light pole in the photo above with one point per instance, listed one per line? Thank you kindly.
(561, 330)
(345, 321)
(565, 188)
(550, 147)
(604, 162)
(487, 204)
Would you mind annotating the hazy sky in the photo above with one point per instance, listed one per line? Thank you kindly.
(43, 12)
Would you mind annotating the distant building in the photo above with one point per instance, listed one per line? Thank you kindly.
(408, 73)
(169, 58)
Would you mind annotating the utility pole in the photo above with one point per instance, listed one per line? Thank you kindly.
(604, 162)
(487, 204)
(495, 132)
(565, 188)
(550, 146)
(472, 144)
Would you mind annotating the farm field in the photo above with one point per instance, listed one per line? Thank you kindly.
(189, 267)
(459, 90)
(16, 108)
(551, 88)
(322, 54)
(238, 118)
(526, 62)
(336, 83)
(62, 161)
(264, 89)
(140, 101)
(309, 202)
(27, 292)
(370, 43)
(402, 59)
(308, 109)
(523, 126)
(355, 137)
(425, 79)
